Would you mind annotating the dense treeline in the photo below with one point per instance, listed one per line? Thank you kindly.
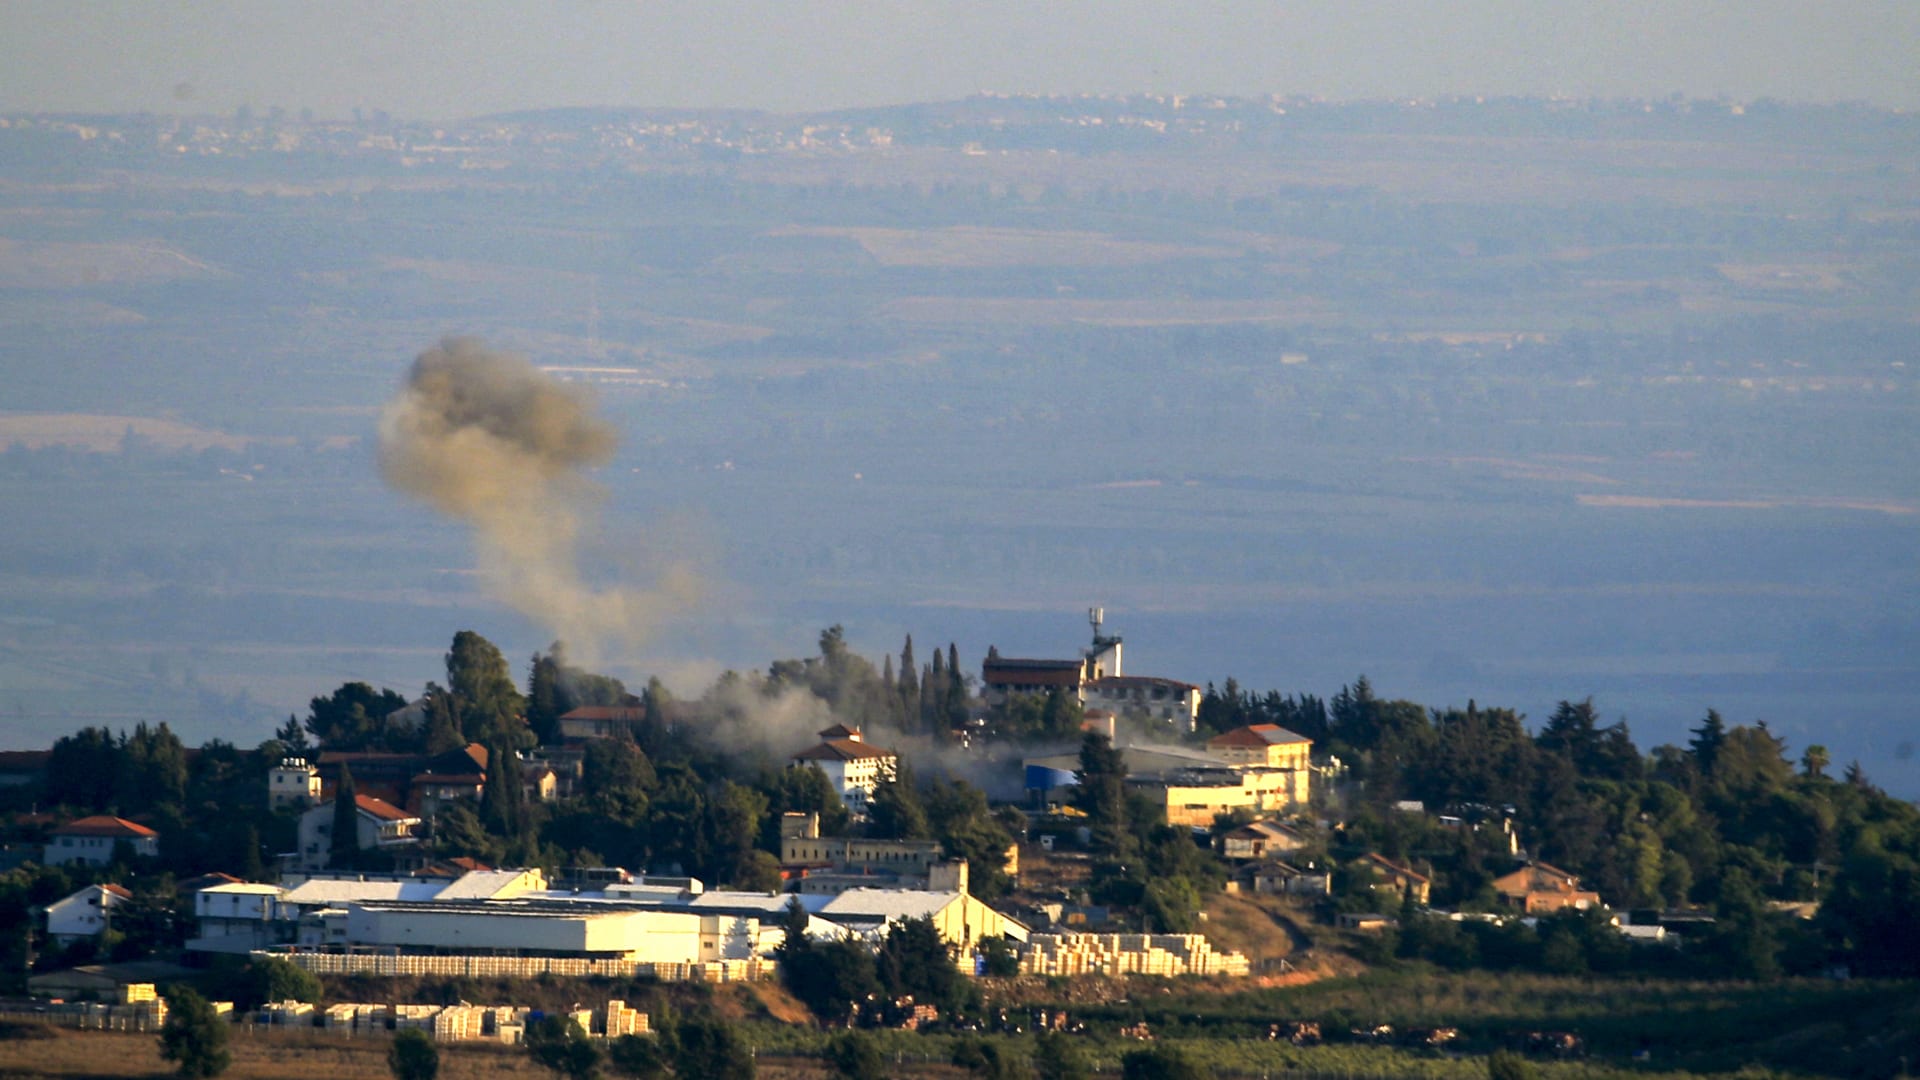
(1726, 823)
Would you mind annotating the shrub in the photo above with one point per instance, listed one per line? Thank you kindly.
(645, 1056)
(270, 979)
(413, 1056)
(1056, 1057)
(710, 1050)
(194, 1037)
(1507, 1066)
(1160, 1063)
(558, 1043)
(856, 1056)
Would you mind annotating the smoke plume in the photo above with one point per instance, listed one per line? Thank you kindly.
(485, 438)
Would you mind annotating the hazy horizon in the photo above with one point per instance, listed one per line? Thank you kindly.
(1511, 404)
(449, 61)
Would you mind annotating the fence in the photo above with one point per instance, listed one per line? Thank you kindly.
(527, 967)
(88, 1017)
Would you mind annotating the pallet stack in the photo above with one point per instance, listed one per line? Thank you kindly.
(621, 1020)
(414, 1016)
(456, 1023)
(289, 1012)
(1127, 954)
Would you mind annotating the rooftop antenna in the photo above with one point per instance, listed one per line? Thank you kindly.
(1096, 616)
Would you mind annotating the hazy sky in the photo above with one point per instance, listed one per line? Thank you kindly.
(426, 58)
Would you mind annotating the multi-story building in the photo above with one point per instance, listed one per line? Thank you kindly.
(1096, 681)
(85, 914)
(92, 840)
(293, 784)
(378, 824)
(854, 766)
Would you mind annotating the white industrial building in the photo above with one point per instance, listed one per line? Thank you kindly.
(239, 918)
(514, 913)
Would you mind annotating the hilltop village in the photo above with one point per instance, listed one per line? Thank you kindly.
(910, 846)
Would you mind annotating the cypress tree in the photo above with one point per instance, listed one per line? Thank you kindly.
(501, 800)
(908, 708)
(933, 693)
(956, 707)
(345, 850)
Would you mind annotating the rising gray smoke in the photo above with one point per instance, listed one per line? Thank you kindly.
(485, 438)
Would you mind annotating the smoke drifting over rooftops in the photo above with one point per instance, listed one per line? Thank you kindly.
(485, 438)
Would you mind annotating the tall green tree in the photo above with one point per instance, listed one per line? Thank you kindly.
(967, 829)
(907, 710)
(1705, 745)
(956, 706)
(802, 789)
(194, 1037)
(344, 841)
(735, 814)
(555, 688)
(442, 730)
(354, 717)
(1101, 794)
(292, 736)
(895, 811)
(503, 798)
(616, 778)
(914, 959)
(153, 767)
(83, 770)
(489, 705)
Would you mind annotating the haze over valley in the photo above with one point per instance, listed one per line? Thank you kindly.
(1512, 400)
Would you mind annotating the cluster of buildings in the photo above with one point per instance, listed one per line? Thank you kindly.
(520, 914)
(1258, 769)
(1097, 682)
(460, 917)
(395, 795)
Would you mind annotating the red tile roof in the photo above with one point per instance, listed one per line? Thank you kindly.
(207, 881)
(380, 808)
(119, 891)
(1391, 867)
(841, 750)
(1256, 735)
(103, 825)
(606, 712)
(1002, 671)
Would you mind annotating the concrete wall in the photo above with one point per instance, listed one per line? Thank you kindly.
(518, 967)
(648, 936)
